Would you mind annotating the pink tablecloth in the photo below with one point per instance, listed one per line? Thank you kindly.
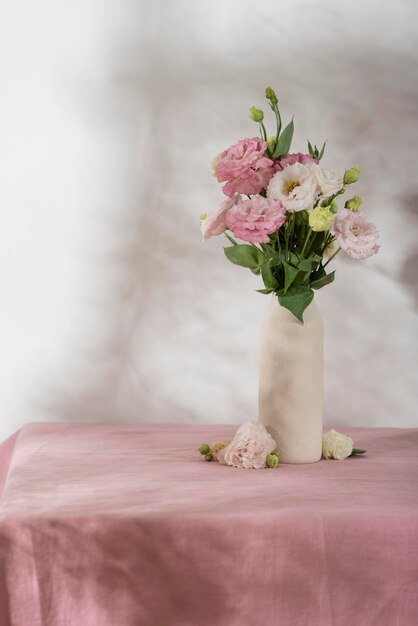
(124, 525)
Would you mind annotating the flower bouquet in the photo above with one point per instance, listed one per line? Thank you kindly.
(285, 208)
(289, 219)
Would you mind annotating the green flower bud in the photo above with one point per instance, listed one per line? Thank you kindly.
(271, 143)
(203, 217)
(270, 95)
(272, 460)
(351, 176)
(203, 448)
(354, 203)
(320, 219)
(333, 207)
(209, 456)
(256, 115)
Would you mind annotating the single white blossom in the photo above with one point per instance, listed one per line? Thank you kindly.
(336, 446)
(329, 181)
(296, 187)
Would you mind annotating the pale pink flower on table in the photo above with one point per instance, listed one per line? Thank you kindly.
(355, 234)
(215, 222)
(249, 447)
(253, 220)
(244, 167)
(220, 456)
(297, 157)
(217, 449)
(296, 187)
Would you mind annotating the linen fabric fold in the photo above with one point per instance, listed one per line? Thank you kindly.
(125, 525)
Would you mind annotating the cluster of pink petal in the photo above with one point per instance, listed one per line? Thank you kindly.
(215, 222)
(244, 167)
(253, 220)
(297, 157)
(249, 447)
(355, 234)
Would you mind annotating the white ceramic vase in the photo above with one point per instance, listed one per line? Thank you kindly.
(291, 381)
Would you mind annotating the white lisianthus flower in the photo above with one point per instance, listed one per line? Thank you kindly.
(296, 186)
(336, 446)
(329, 181)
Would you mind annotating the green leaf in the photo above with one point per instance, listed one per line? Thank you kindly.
(290, 274)
(357, 451)
(321, 154)
(268, 277)
(296, 300)
(306, 265)
(324, 280)
(245, 256)
(285, 141)
(264, 291)
(311, 150)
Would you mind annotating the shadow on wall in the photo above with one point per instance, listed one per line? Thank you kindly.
(408, 275)
(170, 330)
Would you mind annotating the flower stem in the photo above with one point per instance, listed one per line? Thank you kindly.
(279, 123)
(263, 131)
(291, 228)
(327, 240)
(305, 245)
(231, 239)
(331, 257)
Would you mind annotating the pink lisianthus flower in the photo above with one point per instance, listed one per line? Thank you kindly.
(355, 234)
(253, 220)
(249, 447)
(244, 167)
(215, 222)
(297, 157)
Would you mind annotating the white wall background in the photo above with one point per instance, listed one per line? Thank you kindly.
(111, 307)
